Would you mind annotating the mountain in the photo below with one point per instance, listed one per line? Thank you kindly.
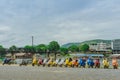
(69, 44)
(95, 41)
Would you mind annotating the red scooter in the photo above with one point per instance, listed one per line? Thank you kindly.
(40, 61)
(97, 63)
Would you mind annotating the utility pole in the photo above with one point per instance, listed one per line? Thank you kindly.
(32, 41)
(32, 44)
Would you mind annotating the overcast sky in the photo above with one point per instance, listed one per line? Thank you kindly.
(61, 20)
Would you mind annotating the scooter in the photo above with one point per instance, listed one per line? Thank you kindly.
(61, 62)
(115, 63)
(105, 64)
(75, 63)
(23, 63)
(97, 63)
(49, 63)
(55, 63)
(40, 61)
(45, 61)
(34, 62)
(7, 61)
(68, 62)
(90, 63)
(82, 62)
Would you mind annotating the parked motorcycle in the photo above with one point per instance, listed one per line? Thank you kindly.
(34, 62)
(82, 62)
(7, 61)
(55, 63)
(97, 63)
(75, 63)
(115, 63)
(23, 63)
(68, 62)
(105, 63)
(90, 63)
(45, 61)
(61, 62)
(40, 61)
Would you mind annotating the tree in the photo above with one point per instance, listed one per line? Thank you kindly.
(73, 48)
(29, 49)
(64, 50)
(2, 50)
(84, 47)
(41, 48)
(13, 49)
(54, 47)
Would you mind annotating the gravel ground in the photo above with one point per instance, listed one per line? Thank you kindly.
(56, 73)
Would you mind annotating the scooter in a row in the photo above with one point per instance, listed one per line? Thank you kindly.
(75, 62)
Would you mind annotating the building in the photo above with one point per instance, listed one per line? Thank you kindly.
(99, 47)
(23, 55)
(115, 45)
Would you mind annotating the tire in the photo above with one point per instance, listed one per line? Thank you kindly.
(3, 64)
(115, 67)
(43, 65)
(38, 65)
(33, 64)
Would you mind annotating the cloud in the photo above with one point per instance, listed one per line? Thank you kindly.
(4, 28)
(64, 21)
(4, 31)
(98, 21)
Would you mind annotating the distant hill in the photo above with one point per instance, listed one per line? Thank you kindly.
(69, 44)
(87, 42)
(96, 41)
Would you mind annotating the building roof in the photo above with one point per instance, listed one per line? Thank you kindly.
(8, 55)
(115, 55)
(20, 54)
(99, 55)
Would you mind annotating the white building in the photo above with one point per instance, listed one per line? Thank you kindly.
(99, 47)
(115, 44)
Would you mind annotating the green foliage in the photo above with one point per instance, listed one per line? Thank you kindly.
(106, 55)
(73, 48)
(28, 48)
(70, 44)
(64, 50)
(87, 42)
(96, 41)
(2, 50)
(41, 48)
(13, 49)
(53, 46)
(84, 47)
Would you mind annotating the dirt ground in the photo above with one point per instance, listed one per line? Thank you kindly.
(56, 73)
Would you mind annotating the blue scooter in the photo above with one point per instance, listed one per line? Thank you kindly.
(82, 62)
(6, 61)
(90, 63)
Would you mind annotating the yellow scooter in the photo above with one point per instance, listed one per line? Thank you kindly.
(68, 62)
(105, 63)
(34, 62)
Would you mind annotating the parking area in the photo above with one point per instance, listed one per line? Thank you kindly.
(56, 73)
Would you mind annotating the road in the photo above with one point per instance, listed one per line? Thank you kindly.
(56, 73)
